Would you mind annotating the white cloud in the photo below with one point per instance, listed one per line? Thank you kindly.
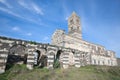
(45, 38)
(18, 15)
(29, 34)
(16, 29)
(6, 3)
(31, 7)
(23, 4)
(66, 18)
(20, 31)
(66, 10)
(10, 12)
(37, 9)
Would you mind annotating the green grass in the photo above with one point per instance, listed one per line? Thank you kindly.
(20, 72)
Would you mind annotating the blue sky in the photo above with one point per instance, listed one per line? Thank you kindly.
(36, 20)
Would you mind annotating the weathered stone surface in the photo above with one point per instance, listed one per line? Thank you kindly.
(118, 61)
(94, 54)
(2, 71)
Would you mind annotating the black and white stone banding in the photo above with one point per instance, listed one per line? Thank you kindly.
(68, 56)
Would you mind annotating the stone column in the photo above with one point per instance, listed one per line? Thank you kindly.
(50, 60)
(87, 58)
(51, 52)
(30, 60)
(3, 60)
(65, 60)
(77, 59)
(82, 58)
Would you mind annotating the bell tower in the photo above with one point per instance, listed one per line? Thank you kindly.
(74, 26)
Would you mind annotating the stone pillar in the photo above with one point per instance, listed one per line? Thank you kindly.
(50, 60)
(87, 57)
(82, 58)
(3, 60)
(65, 60)
(77, 59)
(30, 60)
(51, 52)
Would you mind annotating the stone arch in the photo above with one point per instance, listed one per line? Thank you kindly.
(58, 54)
(51, 58)
(37, 55)
(43, 61)
(57, 59)
(17, 54)
(40, 58)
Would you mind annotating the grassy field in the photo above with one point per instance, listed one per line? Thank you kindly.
(20, 72)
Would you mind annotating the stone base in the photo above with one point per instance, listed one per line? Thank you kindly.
(2, 71)
(30, 67)
(50, 67)
(65, 66)
(77, 66)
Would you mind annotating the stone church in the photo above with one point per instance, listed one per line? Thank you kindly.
(98, 55)
(66, 50)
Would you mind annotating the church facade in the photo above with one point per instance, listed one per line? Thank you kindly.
(97, 54)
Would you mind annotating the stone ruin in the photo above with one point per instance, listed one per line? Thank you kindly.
(15, 51)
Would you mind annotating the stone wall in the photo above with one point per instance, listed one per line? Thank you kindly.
(46, 54)
(118, 61)
(98, 55)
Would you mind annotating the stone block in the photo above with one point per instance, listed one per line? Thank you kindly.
(65, 66)
(30, 67)
(2, 71)
(77, 65)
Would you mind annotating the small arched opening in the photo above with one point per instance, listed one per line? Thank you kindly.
(43, 61)
(40, 59)
(17, 55)
(57, 62)
(37, 55)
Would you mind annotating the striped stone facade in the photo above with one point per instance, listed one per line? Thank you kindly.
(3, 59)
(68, 57)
